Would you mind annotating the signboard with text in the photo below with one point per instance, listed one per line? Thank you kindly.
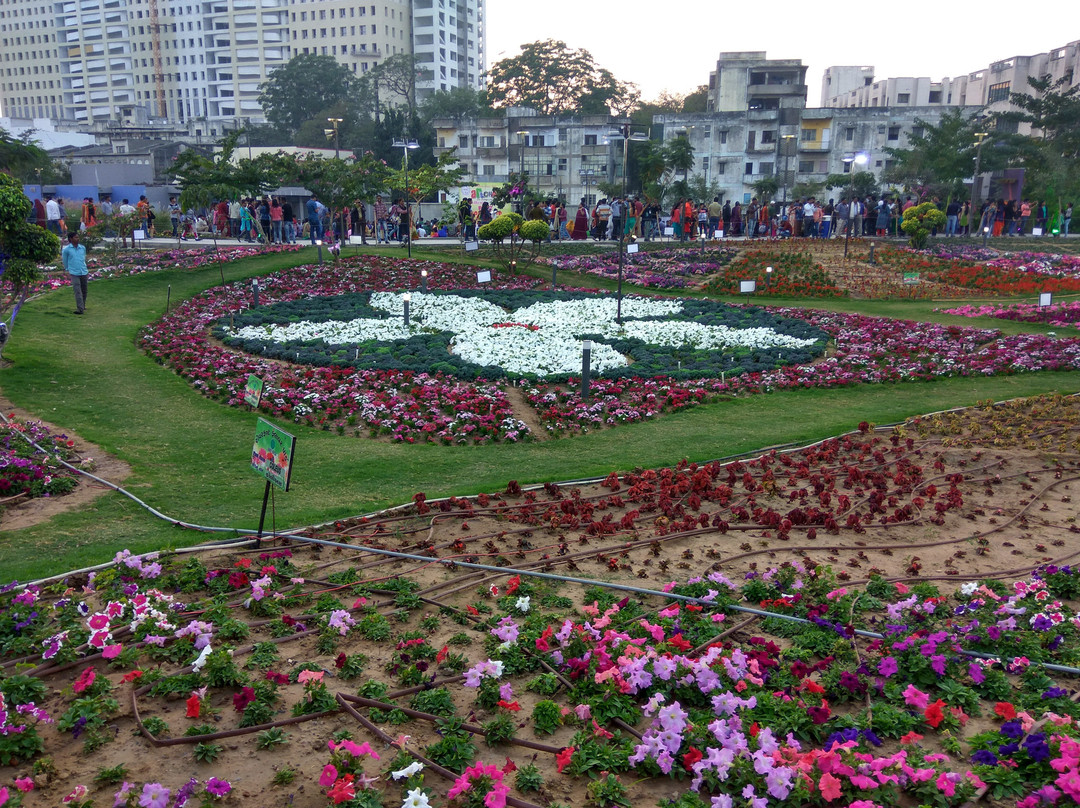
(253, 390)
(272, 454)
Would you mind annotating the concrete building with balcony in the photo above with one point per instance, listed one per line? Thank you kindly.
(565, 157)
(92, 61)
(734, 150)
(746, 80)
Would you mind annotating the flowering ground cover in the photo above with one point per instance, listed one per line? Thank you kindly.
(136, 262)
(671, 268)
(988, 271)
(28, 472)
(407, 393)
(865, 350)
(887, 665)
(1063, 315)
(794, 274)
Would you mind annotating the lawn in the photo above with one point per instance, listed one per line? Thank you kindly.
(190, 456)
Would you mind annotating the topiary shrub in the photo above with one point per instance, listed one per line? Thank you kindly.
(919, 221)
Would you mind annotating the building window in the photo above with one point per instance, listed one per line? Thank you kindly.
(998, 92)
(903, 98)
(749, 168)
(705, 164)
(765, 169)
(935, 97)
(894, 133)
(463, 141)
(809, 135)
(768, 136)
(590, 140)
(489, 170)
(723, 136)
(806, 166)
(849, 133)
(916, 131)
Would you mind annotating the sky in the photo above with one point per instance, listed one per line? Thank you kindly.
(660, 47)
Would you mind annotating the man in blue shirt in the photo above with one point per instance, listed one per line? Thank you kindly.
(314, 219)
(74, 258)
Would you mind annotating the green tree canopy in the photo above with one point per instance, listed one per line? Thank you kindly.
(22, 247)
(459, 103)
(304, 88)
(554, 80)
(941, 157)
(863, 183)
(1051, 154)
(427, 180)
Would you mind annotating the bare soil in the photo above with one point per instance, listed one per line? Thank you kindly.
(950, 498)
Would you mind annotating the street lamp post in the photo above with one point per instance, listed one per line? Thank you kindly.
(858, 159)
(980, 137)
(333, 132)
(784, 141)
(627, 136)
(405, 145)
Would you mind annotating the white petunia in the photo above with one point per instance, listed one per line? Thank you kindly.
(522, 603)
(198, 664)
(413, 768)
(416, 799)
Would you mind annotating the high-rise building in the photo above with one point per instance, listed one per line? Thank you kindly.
(90, 61)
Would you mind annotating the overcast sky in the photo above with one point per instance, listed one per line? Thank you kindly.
(660, 45)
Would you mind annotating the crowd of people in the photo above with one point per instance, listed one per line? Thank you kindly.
(275, 220)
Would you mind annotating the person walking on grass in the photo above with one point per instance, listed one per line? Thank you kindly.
(74, 258)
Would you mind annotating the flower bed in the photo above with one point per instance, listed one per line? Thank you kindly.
(25, 470)
(466, 333)
(406, 404)
(137, 262)
(654, 269)
(402, 405)
(1063, 315)
(867, 350)
(795, 274)
(989, 271)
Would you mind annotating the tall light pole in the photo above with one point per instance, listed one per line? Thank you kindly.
(857, 159)
(980, 137)
(405, 145)
(785, 141)
(627, 136)
(337, 156)
(522, 134)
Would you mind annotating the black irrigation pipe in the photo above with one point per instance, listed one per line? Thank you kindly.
(645, 592)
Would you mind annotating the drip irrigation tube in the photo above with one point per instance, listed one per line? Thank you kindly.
(637, 590)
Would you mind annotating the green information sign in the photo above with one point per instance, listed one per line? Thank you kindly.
(911, 278)
(253, 390)
(272, 455)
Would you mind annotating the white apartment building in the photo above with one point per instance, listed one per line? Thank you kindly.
(847, 86)
(89, 61)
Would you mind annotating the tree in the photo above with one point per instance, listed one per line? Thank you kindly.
(459, 104)
(395, 76)
(806, 189)
(919, 221)
(1050, 154)
(339, 182)
(303, 88)
(23, 247)
(940, 157)
(862, 183)
(428, 180)
(25, 160)
(765, 189)
(554, 80)
(697, 101)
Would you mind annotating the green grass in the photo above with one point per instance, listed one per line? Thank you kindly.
(190, 456)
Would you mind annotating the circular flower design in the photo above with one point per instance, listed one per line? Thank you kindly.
(538, 335)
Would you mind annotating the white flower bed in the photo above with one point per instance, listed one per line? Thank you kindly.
(488, 335)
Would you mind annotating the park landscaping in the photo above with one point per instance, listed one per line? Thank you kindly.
(932, 562)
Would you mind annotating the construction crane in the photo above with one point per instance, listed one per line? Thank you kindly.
(159, 75)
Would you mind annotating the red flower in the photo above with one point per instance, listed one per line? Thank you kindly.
(472, 610)
(243, 562)
(193, 706)
(509, 767)
(513, 584)
(444, 652)
(934, 714)
(512, 706)
(680, 643)
(911, 737)
(131, 676)
(243, 699)
(339, 663)
(562, 760)
(690, 758)
(1005, 710)
(342, 790)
